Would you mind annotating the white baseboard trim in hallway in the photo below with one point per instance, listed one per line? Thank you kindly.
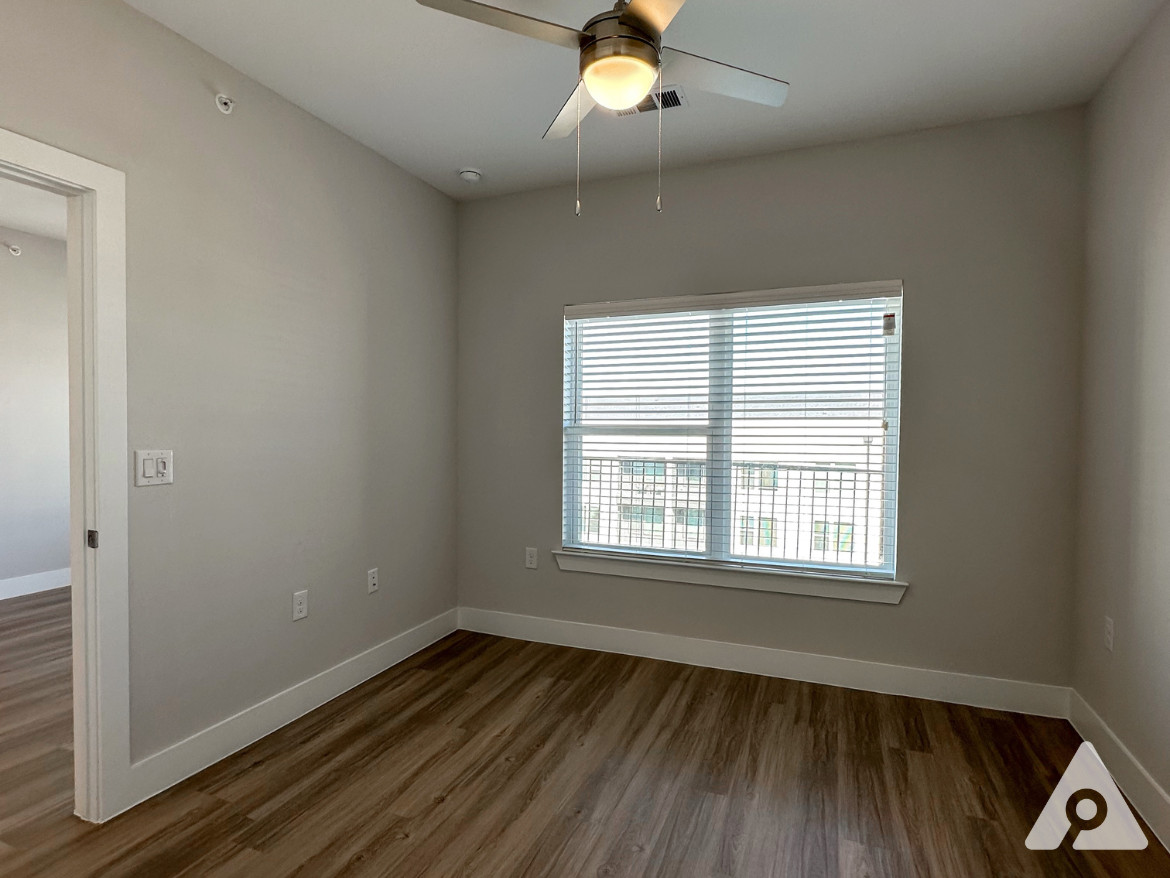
(1035, 698)
(164, 769)
(19, 586)
(1147, 795)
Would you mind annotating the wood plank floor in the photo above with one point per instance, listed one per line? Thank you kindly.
(489, 757)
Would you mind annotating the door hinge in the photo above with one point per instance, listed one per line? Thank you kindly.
(91, 539)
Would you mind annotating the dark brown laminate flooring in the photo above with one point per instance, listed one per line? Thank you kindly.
(482, 756)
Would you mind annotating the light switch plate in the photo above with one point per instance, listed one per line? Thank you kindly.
(154, 468)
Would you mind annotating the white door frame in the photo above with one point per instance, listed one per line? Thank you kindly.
(98, 461)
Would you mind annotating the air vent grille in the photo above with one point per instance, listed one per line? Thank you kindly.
(672, 97)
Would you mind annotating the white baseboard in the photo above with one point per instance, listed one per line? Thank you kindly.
(18, 586)
(168, 767)
(1146, 794)
(1035, 698)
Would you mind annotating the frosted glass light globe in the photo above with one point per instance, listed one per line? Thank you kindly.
(619, 82)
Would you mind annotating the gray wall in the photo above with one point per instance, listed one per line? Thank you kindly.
(291, 302)
(983, 222)
(34, 407)
(1124, 552)
(292, 337)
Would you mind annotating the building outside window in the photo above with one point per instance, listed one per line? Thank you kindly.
(769, 477)
(765, 423)
(644, 468)
(747, 530)
(832, 536)
(643, 514)
(767, 533)
(593, 521)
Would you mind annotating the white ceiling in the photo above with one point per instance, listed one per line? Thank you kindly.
(435, 93)
(31, 210)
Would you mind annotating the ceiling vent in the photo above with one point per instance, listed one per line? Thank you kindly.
(672, 97)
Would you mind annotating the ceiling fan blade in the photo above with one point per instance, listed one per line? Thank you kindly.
(524, 25)
(566, 121)
(722, 79)
(656, 13)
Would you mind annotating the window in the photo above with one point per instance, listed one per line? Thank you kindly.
(832, 537)
(768, 532)
(644, 468)
(643, 514)
(747, 530)
(775, 415)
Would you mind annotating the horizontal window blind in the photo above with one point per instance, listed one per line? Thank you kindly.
(751, 429)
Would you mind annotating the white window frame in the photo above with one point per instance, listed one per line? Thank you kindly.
(718, 567)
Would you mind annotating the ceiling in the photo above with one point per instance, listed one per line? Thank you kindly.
(31, 210)
(435, 93)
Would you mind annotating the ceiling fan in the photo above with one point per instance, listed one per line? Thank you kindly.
(622, 56)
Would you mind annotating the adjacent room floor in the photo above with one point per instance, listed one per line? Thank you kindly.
(483, 756)
(36, 713)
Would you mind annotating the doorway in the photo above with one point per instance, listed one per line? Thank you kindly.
(84, 629)
(36, 705)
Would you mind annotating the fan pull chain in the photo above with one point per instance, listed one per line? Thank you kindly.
(579, 87)
(660, 111)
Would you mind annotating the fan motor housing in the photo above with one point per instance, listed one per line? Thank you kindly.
(613, 33)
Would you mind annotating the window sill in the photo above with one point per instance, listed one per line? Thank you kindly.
(824, 585)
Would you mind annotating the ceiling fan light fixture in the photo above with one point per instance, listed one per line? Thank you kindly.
(619, 82)
(619, 64)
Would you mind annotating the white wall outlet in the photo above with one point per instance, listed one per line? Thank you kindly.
(154, 468)
(1109, 633)
(530, 558)
(372, 580)
(300, 604)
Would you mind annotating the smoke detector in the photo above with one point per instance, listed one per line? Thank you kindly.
(470, 175)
